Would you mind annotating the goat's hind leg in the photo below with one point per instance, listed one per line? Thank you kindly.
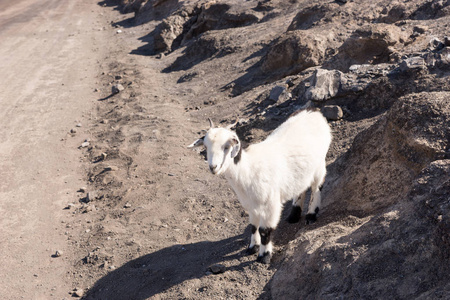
(296, 211)
(255, 240)
(314, 205)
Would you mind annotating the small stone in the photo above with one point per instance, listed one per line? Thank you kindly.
(112, 267)
(69, 206)
(111, 168)
(436, 44)
(332, 112)
(104, 121)
(161, 56)
(127, 205)
(58, 253)
(78, 125)
(77, 292)
(277, 92)
(117, 88)
(447, 41)
(90, 197)
(217, 268)
(119, 31)
(118, 77)
(104, 155)
(85, 144)
(82, 190)
(73, 130)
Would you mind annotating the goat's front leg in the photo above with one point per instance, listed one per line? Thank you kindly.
(267, 225)
(255, 240)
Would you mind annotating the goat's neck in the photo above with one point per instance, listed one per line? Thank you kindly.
(239, 171)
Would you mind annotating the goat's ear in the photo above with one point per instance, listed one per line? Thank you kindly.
(197, 143)
(236, 147)
(232, 125)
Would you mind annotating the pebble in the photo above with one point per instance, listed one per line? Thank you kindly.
(78, 125)
(217, 268)
(104, 121)
(73, 130)
(119, 31)
(85, 144)
(90, 197)
(117, 88)
(58, 253)
(77, 292)
(104, 155)
(127, 205)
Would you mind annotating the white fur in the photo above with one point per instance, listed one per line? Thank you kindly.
(282, 167)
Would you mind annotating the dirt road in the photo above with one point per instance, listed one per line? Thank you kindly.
(48, 61)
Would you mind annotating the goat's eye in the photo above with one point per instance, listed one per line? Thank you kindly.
(227, 147)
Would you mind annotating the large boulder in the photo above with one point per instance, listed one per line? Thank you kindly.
(392, 237)
(295, 51)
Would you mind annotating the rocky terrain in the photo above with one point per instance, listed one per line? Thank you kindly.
(149, 221)
(379, 72)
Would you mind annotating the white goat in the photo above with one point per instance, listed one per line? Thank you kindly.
(267, 174)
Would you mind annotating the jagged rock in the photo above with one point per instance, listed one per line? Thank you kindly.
(372, 43)
(325, 85)
(390, 153)
(413, 63)
(295, 51)
(279, 93)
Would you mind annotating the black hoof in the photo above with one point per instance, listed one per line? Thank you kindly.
(311, 218)
(252, 250)
(295, 215)
(265, 259)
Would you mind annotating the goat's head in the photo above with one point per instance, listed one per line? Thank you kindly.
(222, 146)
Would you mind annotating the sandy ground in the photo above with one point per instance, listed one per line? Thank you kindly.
(48, 60)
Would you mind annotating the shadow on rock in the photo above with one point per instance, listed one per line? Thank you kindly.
(157, 272)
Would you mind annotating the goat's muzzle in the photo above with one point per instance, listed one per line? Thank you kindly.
(213, 169)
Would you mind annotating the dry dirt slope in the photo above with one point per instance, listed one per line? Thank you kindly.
(155, 219)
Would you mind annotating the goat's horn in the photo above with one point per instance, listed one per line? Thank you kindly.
(211, 124)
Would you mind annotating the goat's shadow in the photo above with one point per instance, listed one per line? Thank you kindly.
(157, 272)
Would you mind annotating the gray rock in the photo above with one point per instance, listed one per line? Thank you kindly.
(117, 88)
(325, 85)
(412, 63)
(332, 112)
(217, 268)
(436, 44)
(278, 93)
